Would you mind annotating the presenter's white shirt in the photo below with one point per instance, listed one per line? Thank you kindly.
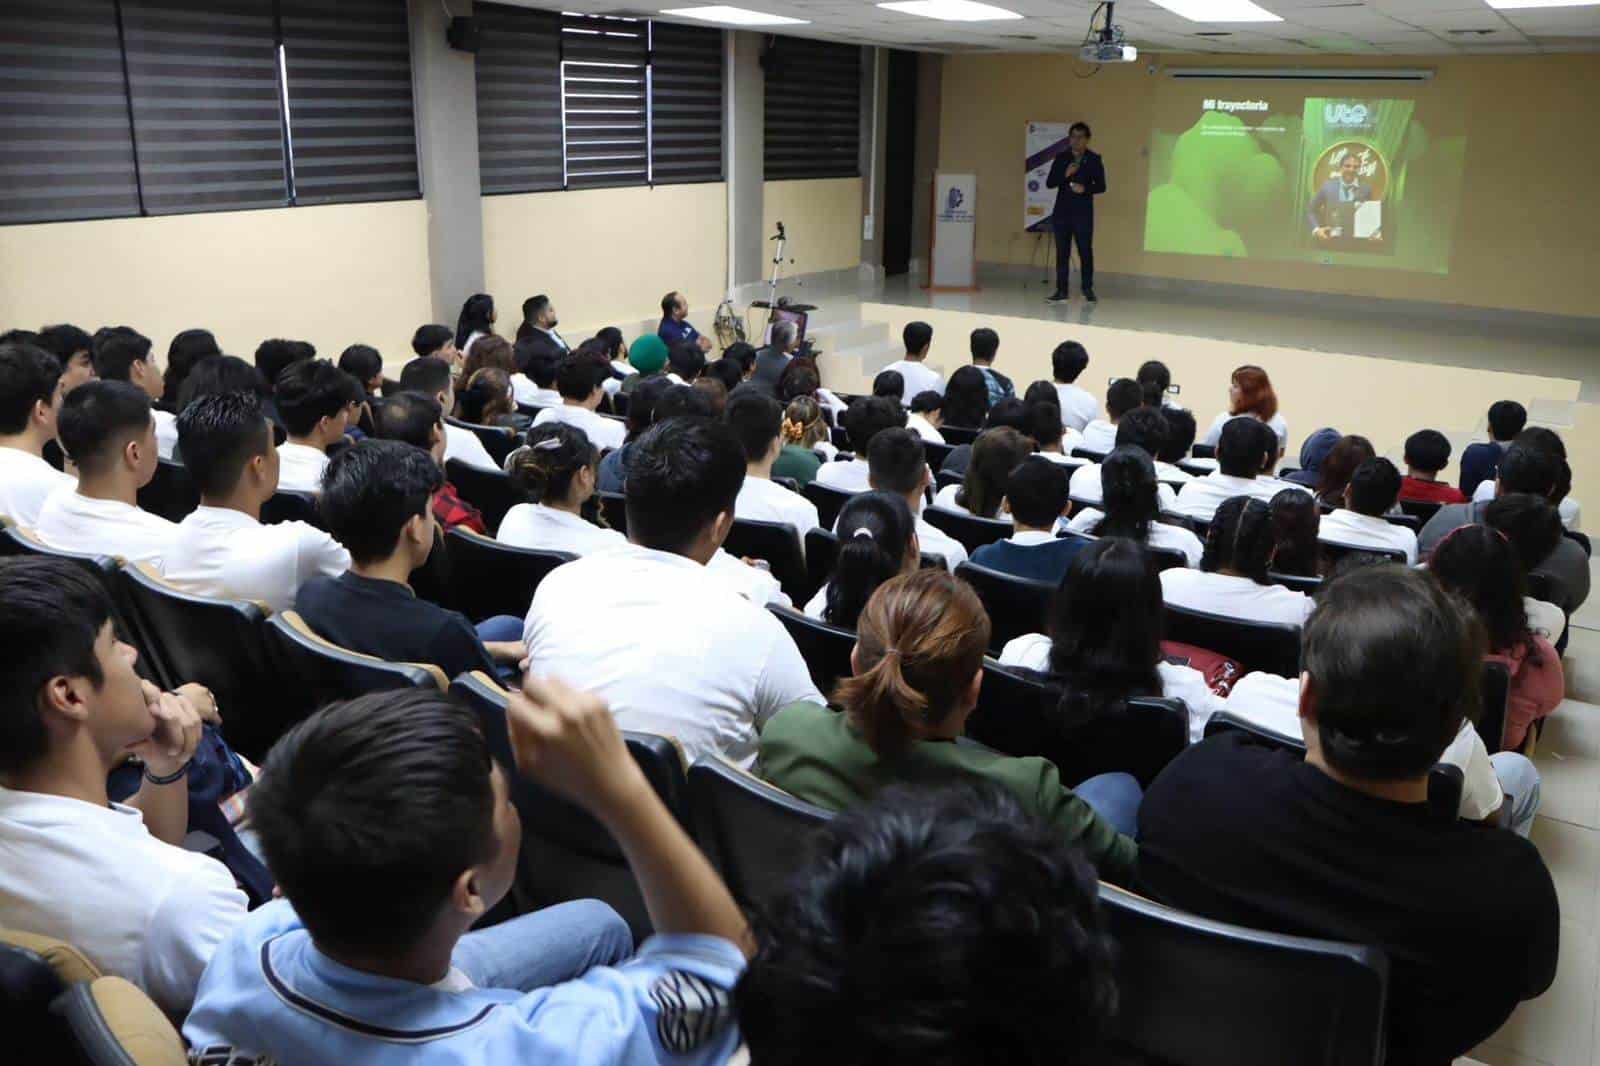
(923, 428)
(25, 482)
(851, 475)
(1276, 422)
(918, 378)
(1201, 497)
(715, 668)
(1099, 436)
(767, 501)
(1569, 509)
(1078, 406)
(139, 908)
(1234, 597)
(531, 395)
(1163, 535)
(166, 432)
(1085, 487)
(533, 525)
(300, 467)
(75, 523)
(1348, 527)
(945, 500)
(604, 433)
(225, 553)
(464, 444)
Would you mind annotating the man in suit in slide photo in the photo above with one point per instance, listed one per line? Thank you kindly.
(1078, 176)
(1345, 189)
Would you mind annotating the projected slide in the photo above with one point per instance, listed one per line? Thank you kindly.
(1362, 182)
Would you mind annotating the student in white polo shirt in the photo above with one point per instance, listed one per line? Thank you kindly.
(557, 471)
(107, 431)
(221, 548)
(898, 465)
(1079, 406)
(918, 338)
(1245, 451)
(580, 380)
(1144, 428)
(535, 384)
(757, 420)
(1122, 395)
(1129, 507)
(866, 418)
(122, 353)
(1371, 493)
(317, 402)
(642, 627)
(432, 377)
(1233, 582)
(30, 400)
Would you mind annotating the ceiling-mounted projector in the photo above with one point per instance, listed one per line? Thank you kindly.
(1104, 52)
(1105, 43)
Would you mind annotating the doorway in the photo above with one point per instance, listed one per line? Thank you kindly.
(899, 164)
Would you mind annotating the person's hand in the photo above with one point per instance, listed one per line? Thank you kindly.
(176, 735)
(757, 564)
(506, 651)
(704, 342)
(201, 700)
(1322, 233)
(1076, 187)
(568, 741)
(1072, 168)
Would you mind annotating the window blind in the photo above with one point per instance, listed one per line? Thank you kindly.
(604, 100)
(519, 99)
(685, 103)
(813, 110)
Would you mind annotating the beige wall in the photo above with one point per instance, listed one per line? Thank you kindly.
(823, 218)
(333, 275)
(1525, 236)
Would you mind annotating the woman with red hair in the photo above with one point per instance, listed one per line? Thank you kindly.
(1250, 393)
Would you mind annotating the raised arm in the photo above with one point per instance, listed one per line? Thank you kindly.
(1058, 170)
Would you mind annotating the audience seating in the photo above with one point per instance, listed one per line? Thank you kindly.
(286, 505)
(1580, 539)
(1496, 696)
(1227, 721)
(1197, 992)
(490, 578)
(171, 493)
(1334, 551)
(1090, 454)
(1270, 646)
(822, 552)
(1298, 582)
(973, 532)
(936, 453)
(753, 832)
(1203, 451)
(1421, 510)
(1162, 558)
(1016, 605)
(498, 441)
(490, 491)
(614, 506)
(324, 672)
(1406, 520)
(778, 545)
(945, 478)
(829, 501)
(958, 435)
(825, 648)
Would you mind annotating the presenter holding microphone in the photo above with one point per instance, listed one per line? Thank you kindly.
(1078, 176)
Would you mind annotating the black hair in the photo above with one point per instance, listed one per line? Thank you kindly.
(1374, 487)
(756, 420)
(742, 351)
(679, 401)
(1036, 490)
(116, 349)
(995, 454)
(1044, 421)
(556, 452)
(62, 341)
(371, 489)
(390, 790)
(799, 378)
(875, 531)
(966, 398)
(362, 362)
(1526, 468)
(97, 420)
(219, 435)
(410, 417)
(224, 373)
(896, 461)
(532, 308)
(1544, 439)
(477, 314)
(275, 355)
(1394, 663)
(1428, 450)
(610, 340)
(1105, 630)
(925, 401)
(985, 343)
(1068, 361)
(1084, 126)
(1240, 539)
(579, 375)
(51, 614)
(1506, 419)
(727, 370)
(540, 365)
(1296, 519)
(669, 302)
(1245, 447)
(686, 360)
(1041, 392)
(1010, 412)
(1531, 523)
(681, 474)
(1123, 395)
(312, 390)
(1347, 453)
(188, 349)
(969, 920)
(642, 403)
(1180, 434)
(1143, 427)
(1479, 564)
(890, 384)
(1154, 380)
(866, 417)
(917, 336)
(19, 336)
(28, 376)
(430, 338)
(429, 374)
(1129, 494)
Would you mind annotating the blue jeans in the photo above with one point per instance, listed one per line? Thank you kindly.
(1114, 797)
(545, 947)
(1519, 780)
(501, 627)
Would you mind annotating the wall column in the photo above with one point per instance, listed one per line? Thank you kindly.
(744, 149)
(874, 136)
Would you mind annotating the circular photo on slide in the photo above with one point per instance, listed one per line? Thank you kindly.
(1347, 198)
(1353, 162)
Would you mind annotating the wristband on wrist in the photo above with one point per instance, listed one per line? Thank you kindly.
(180, 772)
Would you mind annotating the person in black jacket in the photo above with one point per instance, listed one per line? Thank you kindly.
(1078, 176)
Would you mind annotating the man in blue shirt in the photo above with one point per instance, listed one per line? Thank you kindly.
(675, 328)
(389, 828)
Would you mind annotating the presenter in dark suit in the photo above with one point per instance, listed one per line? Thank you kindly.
(1345, 189)
(1078, 176)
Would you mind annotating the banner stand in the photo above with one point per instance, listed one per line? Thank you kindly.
(952, 252)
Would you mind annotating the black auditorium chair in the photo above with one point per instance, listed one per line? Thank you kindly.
(958, 435)
(498, 441)
(1299, 582)
(1016, 605)
(1409, 521)
(822, 551)
(1496, 696)
(1335, 551)
(825, 648)
(755, 833)
(489, 578)
(323, 672)
(614, 506)
(973, 532)
(1270, 646)
(829, 501)
(172, 493)
(490, 491)
(1089, 454)
(1203, 451)
(1421, 510)
(936, 453)
(1161, 558)
(778, 545)
(287, 505)
(945, 478)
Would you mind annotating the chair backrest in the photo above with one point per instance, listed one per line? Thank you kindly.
(1203, 451)
(1197, 992)
(489, 578)
(945, 478)
(1089, 454)
(172, 493)
(973, 532)
(490, 491)
(323, 672)
(1334, 551)
(614, 505)
(936, 453)
(498, 441)
(830, 501)
(1016, 605)
(1160, 558)
(286, 505)
(1300, 583)
(28, 985)
(1270, 646)
(1408, 521)
(1580, 539)
(1496, 694)
(958, 435)
(1421, 510)
(1227, 721)
(113, 1023)
(825, 648)
(775, 542)
(756, 834)
(822, 552)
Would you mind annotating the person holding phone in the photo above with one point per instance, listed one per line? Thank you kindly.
(1078, 176)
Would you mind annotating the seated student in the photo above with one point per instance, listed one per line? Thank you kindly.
(1333, 475)
(1044, 426)
(276, 355)
(897, 465)
(1533, 529)
(891, 385)
(437, 341)
(1131, 507)
(757, 420)
(317, 402)
(1122, 396)
(1036, 497)
(966, 399)
(715, 391)
(982, 491)
(75, 350)
(1245, 452)
(972, 923)
(432, 377)
(1010, 413)
(642, 404)
(487, 399)
(113, 879)
(106, 430)
(188, 349)
(1478, 461)
(1314, 451)
(375, 499)
(675, 327)
(1104, 644)
(364, 363)
(221, 548)
(418, 420)
(579, 381)
(878, 540)
(1550, 441)
(535, 382)
(30, 402)
(1342, 844)
(866, 418)
(1155, 381)
(1232, 581)
(1079, 406)
(918, 338)
(729, 373)
(124, 354)
(648, 357)
(685, 363)
(804, 433)
(1296, 521)
(918, 665)
(227, 373)
(925, 415)
(615, 349)
(557, 471)
(1372, 492)
(728, 665)
(985, 344)
(398, 791)
(1144, 428)
(1250, 394)
(1427, 453)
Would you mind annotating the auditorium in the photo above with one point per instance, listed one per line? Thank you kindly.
(833, 532)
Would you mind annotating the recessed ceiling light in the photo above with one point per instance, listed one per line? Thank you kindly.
(1219, 10)
(951, 10)
(1516, 5)
(733, 16)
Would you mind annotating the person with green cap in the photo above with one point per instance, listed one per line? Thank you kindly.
(648, 355)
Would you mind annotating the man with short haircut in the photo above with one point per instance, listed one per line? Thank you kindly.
(436, 340)
(925, 414)
(772, 360)
(1427, 453)
(897, 463)
(364, 363)
(106, 430)
(1342, 844)
(123, 354)
(431, 377)
(418, 420)
(1547, 440)
(685, 364)
(276, 355)
(110, 878)
(675, 327)
(1079, 406)
(368, 958)
(580, 381)
(1142, 427)
(918, 338)
(729, 666)
(1036, 496)
(317, 402)
(74, 348)
(1478, 461)
(1100, 435)
(1245, 452)
(985, 344)
(30, 401)
(534, 385)
(1372, 492)
(221, 548)
(757, 421)
(538, 328)
(866, 417)
(376, 499)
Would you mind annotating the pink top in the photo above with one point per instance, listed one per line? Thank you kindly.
(1538, 685)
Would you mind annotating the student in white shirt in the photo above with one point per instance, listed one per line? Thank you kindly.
(110, 878)
(918, 338)
(642, 628)
(580, 380)
(1372, 492)
(431, 377)
(1245, 451)
(982, 491)
(123, 354)
(1234, 583)
(1250, 394)
(438, 341)
(1106, 646)
(1144, 428)
(1122, 395)
(757, 421)
(1569, 509)
(317, 402)
(476, 319)
(867, 417)
(1042, 406)
(221, 548)
(877, 541)
(30, 401)
(898, 465)
(535, 384)
(74, 348)
(1131, 506)
(277, 354)
(1546, 440)
(925, 415)
(107, 432)
(558, 471)
(1078, 405)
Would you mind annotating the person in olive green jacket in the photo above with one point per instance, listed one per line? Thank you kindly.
(918, 664)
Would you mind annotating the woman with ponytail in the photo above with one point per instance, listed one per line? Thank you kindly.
(877, 541)
(476, 320)
(918, 667)
(557, 471)
(804, 430)
(1232, 579)
(1130, 507)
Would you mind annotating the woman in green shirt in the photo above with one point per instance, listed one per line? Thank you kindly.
(803, 427)
(918, 664)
